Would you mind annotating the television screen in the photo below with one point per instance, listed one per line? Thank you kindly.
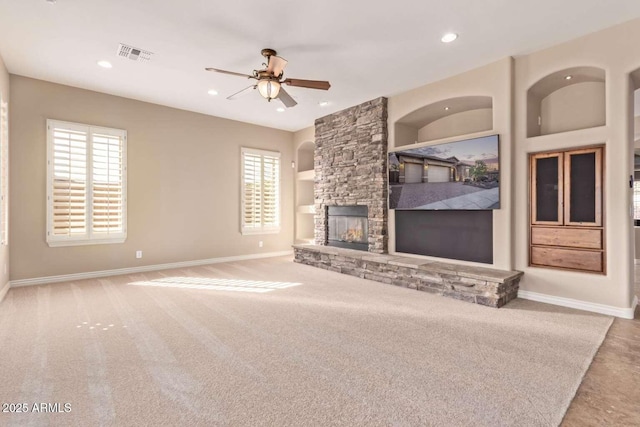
(461, 175)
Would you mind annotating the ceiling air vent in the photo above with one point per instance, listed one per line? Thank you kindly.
(133, 53)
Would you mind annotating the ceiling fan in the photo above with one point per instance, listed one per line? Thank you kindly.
(270, 80)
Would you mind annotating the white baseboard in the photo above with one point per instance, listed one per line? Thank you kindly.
(625, 313)
(141, 269)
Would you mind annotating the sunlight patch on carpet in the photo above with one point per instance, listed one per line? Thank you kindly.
(205, 283)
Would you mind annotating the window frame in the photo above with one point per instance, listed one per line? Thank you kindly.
(263, 229)
(90, 237)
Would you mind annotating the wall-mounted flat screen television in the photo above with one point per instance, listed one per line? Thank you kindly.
(461, 175)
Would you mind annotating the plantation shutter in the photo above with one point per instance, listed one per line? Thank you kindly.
(260, 191)
(87, 184)
(69, 198)
(271, 191)
(107, 184)
(252, 192)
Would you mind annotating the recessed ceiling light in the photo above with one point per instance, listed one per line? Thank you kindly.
(449, 37)
(280, 110)
(323, 103)
(105, 64)
(569, 77)
(446, 108)
(212, 92)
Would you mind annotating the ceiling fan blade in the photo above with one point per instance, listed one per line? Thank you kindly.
(311, 84)
(286, 99)
(240, 94)
(276, 65)
(229, 72)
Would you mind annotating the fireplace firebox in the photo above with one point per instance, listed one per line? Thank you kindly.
(348, 227)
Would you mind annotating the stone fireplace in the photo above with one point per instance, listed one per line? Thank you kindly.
(347, 227)
(350, 162)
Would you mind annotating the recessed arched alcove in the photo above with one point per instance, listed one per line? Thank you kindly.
(569, 99)
(305, 156)
(446, 118)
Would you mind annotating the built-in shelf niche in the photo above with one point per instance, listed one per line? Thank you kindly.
(306, 175)
(305, 193)
(444, 119)
(305, 203)
(304, 229)
(567, 100)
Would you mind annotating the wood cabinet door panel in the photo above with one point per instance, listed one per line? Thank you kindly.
(547, 189)
(583, 187)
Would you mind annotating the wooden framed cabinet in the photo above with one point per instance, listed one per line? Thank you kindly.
(566, 228)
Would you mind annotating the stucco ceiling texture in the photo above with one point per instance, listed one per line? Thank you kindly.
(364, 48)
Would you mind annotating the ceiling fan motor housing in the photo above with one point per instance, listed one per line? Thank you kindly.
(268, 52)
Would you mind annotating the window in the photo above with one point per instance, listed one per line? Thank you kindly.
(4, 171)
(260, 208)
(86, 184)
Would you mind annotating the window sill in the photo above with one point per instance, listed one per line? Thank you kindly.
(256, 232)
(59, 243)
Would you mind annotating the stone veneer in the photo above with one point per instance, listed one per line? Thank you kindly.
(480, 285)
(350, 162)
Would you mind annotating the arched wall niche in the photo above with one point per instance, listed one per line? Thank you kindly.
(305, 156)
(566, 100)
(444, 119)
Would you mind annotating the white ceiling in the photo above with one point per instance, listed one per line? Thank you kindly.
(365, 48)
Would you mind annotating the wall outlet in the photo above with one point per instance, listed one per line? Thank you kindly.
(260, 244)
(138, 254)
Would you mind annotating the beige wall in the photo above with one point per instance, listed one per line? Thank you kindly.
(183, 182)
(4, 250)
(615, 50)
(458, 124)
(494, 80)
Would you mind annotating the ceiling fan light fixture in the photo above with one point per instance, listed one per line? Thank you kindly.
(269, 89)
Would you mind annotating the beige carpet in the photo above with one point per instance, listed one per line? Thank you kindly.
(269, 342)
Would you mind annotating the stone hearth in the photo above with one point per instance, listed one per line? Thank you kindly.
(479, 285)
